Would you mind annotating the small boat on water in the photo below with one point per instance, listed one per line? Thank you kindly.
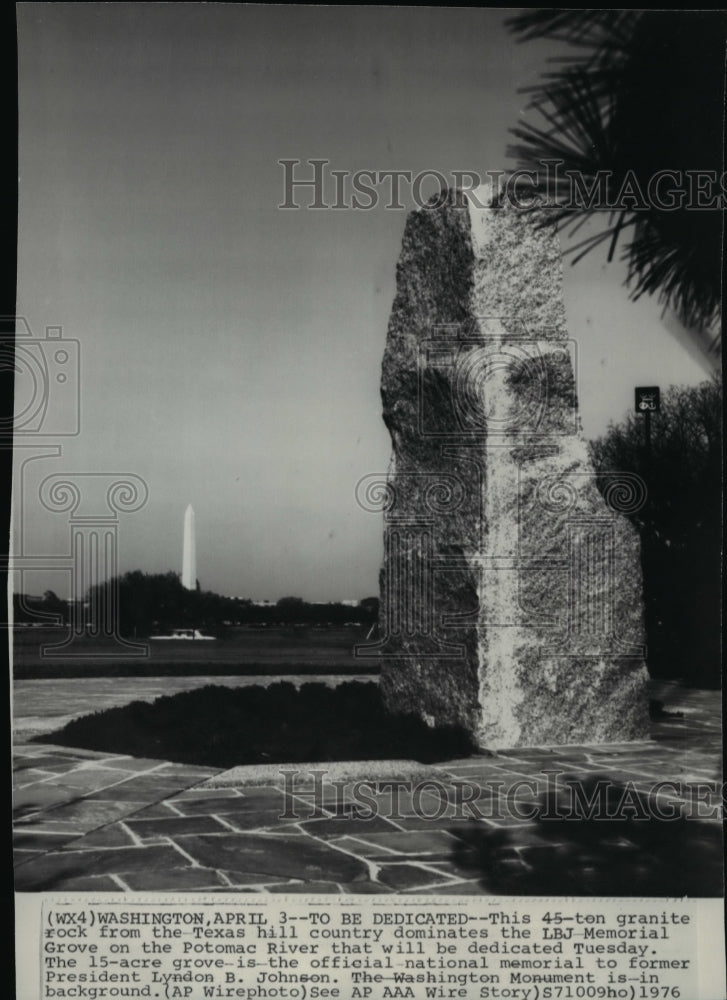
(190, 634)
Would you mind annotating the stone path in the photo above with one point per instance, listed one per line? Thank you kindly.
(100, 822)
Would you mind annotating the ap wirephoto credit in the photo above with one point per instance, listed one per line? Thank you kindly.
(364, 573)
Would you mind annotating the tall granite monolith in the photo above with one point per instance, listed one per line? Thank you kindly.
(511, 592)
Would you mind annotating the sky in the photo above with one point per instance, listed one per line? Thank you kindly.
(229, 352)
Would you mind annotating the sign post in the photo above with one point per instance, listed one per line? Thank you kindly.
(647, 401)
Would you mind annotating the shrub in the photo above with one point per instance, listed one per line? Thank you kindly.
(223, 727)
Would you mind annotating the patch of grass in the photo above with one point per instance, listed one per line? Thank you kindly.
(216, 726)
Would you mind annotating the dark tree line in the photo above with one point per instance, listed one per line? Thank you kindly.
(157, 602)
(680, 527)
(45, 609)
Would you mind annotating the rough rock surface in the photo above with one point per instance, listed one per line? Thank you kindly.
(511, 586)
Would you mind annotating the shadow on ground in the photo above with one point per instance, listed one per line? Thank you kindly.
(623, 847)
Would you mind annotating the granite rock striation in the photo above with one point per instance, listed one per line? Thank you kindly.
(511, 591)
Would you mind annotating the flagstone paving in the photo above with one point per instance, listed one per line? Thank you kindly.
(101, 822)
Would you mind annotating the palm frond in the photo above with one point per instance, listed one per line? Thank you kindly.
(586, 28)
(629, 103)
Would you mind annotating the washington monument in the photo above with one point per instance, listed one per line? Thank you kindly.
(189, 556)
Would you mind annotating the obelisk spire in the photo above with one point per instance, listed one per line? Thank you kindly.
(189, 557)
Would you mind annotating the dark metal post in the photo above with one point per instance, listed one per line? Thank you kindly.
(647, 434)
(647, 401)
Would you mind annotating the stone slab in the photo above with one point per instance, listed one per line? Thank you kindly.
(173, 879)
(274, 855)
(347, 825)
(145, 829)
(407, 877)
(342, 770)
(45, 873)
(511, 594)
